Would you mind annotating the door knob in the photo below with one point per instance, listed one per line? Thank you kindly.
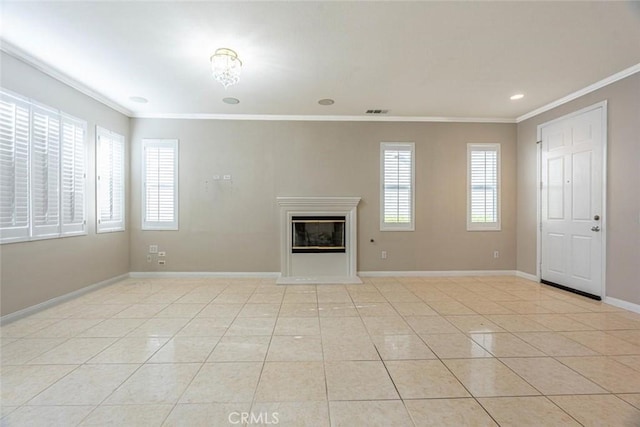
(595, 228)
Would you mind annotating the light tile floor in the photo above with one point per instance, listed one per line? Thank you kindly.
(468, 351)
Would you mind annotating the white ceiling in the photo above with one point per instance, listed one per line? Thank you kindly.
(416, 59)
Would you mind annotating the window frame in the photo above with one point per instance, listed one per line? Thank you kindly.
(484, 226)
(389, 226)
(113, 138)
(157, 225)
(31, 231)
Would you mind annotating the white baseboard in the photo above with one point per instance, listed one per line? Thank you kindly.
(622, 304)
(527, 276)
(447, 273)
(57, 300)
(220, 274)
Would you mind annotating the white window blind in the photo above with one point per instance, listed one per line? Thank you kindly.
(110, 181)
(483, 192)
(73, 176)
(45, 172)
(160, 184)
(397, 186)
(42, 171)
(14, 168)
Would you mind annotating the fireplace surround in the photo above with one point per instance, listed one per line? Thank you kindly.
(318, 243)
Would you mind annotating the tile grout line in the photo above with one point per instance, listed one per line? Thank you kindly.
(175, 405)
(136, 370)
(266, 354)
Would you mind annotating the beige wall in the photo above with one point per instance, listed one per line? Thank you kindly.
(33, 272)
(233, 226)
(622, 219)
(227, 227)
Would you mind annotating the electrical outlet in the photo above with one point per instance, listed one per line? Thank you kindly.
(149, 258)
(226, 177)
(383, 255)
(162, 253)
(153, 249)
(161, 262)
(496, 254)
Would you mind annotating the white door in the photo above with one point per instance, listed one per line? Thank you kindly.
(572, 155)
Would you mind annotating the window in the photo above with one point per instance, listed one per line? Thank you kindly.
(397, 186)
(109, 181)
(42, 171)
(160, 184)
(483, 187)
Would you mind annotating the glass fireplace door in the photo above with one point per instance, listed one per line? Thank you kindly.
(318, 234)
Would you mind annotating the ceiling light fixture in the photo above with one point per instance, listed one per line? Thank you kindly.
(138, 99)
(231, 101)
(226, 66)
(326, 101)
(517, 96)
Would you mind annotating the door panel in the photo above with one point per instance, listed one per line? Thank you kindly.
(572, 154)
(580, 252)
(555, 253)
(556, 188)
(581, 200)
(582, 131)
(556, 140)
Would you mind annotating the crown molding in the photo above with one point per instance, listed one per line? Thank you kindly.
(577, 94)
(39, 65)
(320, 118)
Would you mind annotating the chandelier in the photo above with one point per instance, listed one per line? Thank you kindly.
(226, 66)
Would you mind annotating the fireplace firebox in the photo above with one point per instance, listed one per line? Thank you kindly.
(318, 234)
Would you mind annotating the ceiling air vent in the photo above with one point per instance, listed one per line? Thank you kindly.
(377, 111)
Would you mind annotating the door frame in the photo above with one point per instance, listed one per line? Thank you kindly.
(603, 215)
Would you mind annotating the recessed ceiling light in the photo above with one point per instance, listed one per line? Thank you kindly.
(517, 96)
(231, 101)
(326, 101)
(139, 99)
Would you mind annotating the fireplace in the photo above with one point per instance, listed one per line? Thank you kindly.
(318, 241)
(317, 234)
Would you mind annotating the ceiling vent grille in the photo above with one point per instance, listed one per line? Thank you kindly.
(377, 111)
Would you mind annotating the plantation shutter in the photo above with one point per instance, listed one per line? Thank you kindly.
(484, 208)
(14, 168)
(110, 180)
(45, 172)
(397, 186)
(160, 185)
(73, 176)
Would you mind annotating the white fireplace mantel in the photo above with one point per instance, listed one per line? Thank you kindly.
(344, 268)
